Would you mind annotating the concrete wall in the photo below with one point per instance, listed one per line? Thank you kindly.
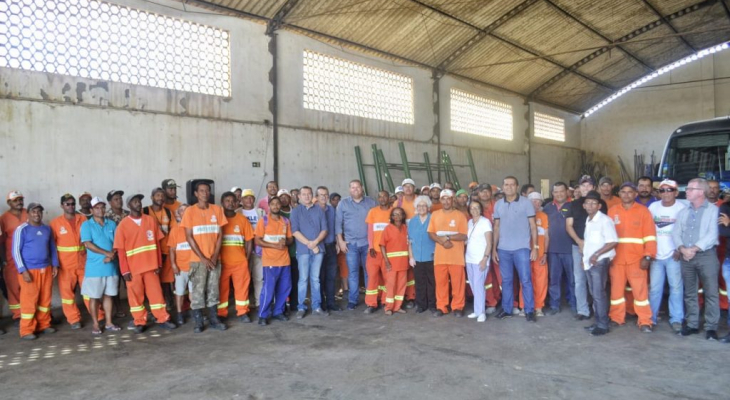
(644, 118)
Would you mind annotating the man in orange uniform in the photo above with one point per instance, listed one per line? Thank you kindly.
(235, 251)
(166, 222)
(169, 186)
(180, 262)
(140, 261)
(636, 249)
(72, 259)
(448, 228)
(203, 223)
(377, 219)
(394, 247)
(34, 252)
(406, 203)
(539, 267)
(9, 221)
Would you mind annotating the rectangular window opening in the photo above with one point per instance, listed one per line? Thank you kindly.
(480, 116)
(549, 127)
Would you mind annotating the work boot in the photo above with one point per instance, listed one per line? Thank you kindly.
(410, 304)
(245, 319)
(599, 332)
(725, 339)
(49, 330)
(711, 335)
(180, 319)
(75, 326)
(369, 310)
(215, 323)
(491, 310)
(553, 311)
(198, 318)
(29, 336)
(686, 331)
(168, 325)
(645, 329)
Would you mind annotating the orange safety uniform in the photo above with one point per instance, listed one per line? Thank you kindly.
(410, 210)
(539, 271)
(172, 207)
(395, 241)
(8, 224)
(72, 261)
(636, 239)
(166, 223)
(234, 264)
(179, 243)
(449, 263)
(139, 255)
(436, 206)
(377, 219)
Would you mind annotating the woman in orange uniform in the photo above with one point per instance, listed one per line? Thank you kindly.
(394, 247)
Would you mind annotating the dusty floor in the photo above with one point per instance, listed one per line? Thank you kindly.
(350, 355)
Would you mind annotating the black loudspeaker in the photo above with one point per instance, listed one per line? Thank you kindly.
(190, 190)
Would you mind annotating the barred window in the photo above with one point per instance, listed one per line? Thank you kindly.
(549, 127)
(339, 86)
(98, 40)
(480, 116)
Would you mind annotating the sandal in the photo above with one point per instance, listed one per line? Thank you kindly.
(96, 332)
(113, 328)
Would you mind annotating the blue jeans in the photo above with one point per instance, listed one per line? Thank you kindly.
(726, 275)
(309, 265)
(672, 271)
(508, 262)
(560, 265)
(581, 284)
(356, 257)
(328, 275)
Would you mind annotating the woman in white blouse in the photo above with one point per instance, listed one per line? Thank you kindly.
(478, 250)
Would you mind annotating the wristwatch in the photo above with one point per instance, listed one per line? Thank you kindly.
(647, 258)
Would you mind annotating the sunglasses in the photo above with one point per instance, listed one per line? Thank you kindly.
(667, 190)
(69, 204)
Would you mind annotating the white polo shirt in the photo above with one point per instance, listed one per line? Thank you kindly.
(599, 231)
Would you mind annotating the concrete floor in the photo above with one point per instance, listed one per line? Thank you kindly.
(350, 355)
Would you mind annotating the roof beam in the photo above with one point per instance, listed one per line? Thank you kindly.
(484, 33)
(513, 44)
(669, 24)
(224, 9)
(725, 7)
(595, 32)
(625, 38)
(276, 22)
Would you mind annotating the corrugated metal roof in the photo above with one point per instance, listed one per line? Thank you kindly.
(550, 50)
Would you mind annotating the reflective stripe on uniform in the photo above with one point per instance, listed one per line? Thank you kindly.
(410, 283)
(157, 306)
(488, 286)
(389, 300)
(399, 297)
(14, 306)
(371, 292)
(232, 240)
(67, 301)
(631, 240)
(383, 288)
(70, 249)
(628, 289)
(26, 316)
(617, 301)
(723, 292)
(142, 249)
(701, 291)
(86, 298)
(223, 305)
(242, 303)
(649, 239)
(397, 254)
(136, 309)
(43, 309)
(205, 229)
(641, 303)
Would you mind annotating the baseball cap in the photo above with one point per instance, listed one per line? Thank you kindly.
(134, 196)
(628, 184)
(586, 178)
(593, 195)
(472, 185)
(233, 190)
(535, 196)
(334, 194)
(408, 181)
(399, 189)
(425, 187)
(484, 186)
(435, 186)
(605, 179)
(112, 193)
(460, 192)
(67, 196)
(33, 206)
(85, 194)
(15, 195)
(668, 182)
(97, 200)
(168, 183)
(446, 193)
(155, 190)
(246, 192)
(282, 192)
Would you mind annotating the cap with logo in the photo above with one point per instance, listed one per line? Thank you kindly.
(460, 192)
(630, 184)
(446, 193)
(97, 200)
(169, 183)
(586, 178)
(484, 186)
(435, 186)
(408, 181)
(282, 192)
(333, 195)
(14, 195)
(66, 197)
(113, 193)
(85, 194)
(668, 182)
(33, 206)
(535, 196)
(134, 196)
(157, 190)
(233, 189)
(399, 189)
(247, 192)
(605, 179)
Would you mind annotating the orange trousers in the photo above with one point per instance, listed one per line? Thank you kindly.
(395, 284)
(141, 285)
(493, 285)
(68, 280)
(539, 284)
(457, 275)
(166, 274)
(35, 301)
(376, 280)
(12, 278)
(240, 277)
(410, 285)
(342, 264)
(638, 280)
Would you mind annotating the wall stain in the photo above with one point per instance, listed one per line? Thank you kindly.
(65, 89)
(45, 95)
(80, 89)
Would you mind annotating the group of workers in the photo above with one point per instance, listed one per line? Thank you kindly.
(508, 249)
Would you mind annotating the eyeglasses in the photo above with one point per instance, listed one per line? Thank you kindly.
(69, 204)
(689, 188)
(667, 190)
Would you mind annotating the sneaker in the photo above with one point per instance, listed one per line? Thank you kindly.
(351, 307)
(75, 326)
(167, 325)
(131, 325)
(472, 315)
(437, 313)
(335, 308)
(180, 319)
(686, 331)
(245, 319)
(388, 312)
(530, 317)
(280, 317)
(553, 311)
(599, 332)
(725, 339)
(645, 329)
(711, 335)
(300, 314)
(590, 328)
(614, 324)
(369, 310)
(262, 321)
(491, 310)
(503, 315)
(29, 337)
(322, 313)
(53, 330)
(539, 313)
(420, 310)
(517, 311)
(138, 329)
(581, 317)
(410, 304)
(458, 313)
(676, 327)
(482, 318)
(401, 311)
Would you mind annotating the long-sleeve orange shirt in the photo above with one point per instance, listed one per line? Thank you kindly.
(636, 233)
(136, 242)
(67, 234)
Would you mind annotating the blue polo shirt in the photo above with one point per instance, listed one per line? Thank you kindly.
(422, 245)
(329, 212)
(560, 241)
(309, 222)
(102, 236)
(351, 220)
(514, 223)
